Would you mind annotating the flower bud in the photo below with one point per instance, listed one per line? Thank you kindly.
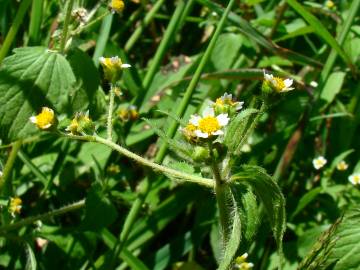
(112, 68)
(81, 124)
(200, 154)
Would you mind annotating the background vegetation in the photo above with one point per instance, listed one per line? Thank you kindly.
(174, 225)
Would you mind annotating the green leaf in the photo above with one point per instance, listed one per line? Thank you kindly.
(249, 212)
(31, 78)
(338, 247)
(87, 83)
(269, 193)
(238, 128)
(226, 50)
(306, 200)
(31, 263)
(99, 211)
(234, 240)
(345, 253)
(333, 86)
(320, 29)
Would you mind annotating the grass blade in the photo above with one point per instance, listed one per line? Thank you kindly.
(320, 29)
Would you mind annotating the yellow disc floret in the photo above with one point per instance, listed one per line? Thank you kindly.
(209, 125)
(15, 206)
(45, 119)
(279, 84)
(117, 5)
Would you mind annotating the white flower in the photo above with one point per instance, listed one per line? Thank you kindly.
(1, 174)
(227, 99)
(209, 124)
(355, 178)
(342, 166)
(319, 162)
(277, 83)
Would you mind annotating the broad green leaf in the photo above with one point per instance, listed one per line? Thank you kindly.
(31, 78)
(236, 134)
(31, 263)
(338, 247)
(226, 50)
(269, 193)
(234, 240)
(345, 252)
(320, 29)
(333, 86)
(249, 212)
(87, 83)
(99, 211)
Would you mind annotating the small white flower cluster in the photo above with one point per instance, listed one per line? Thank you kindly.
(209, 124)
(242, 264)
(277, 83)
(320, 162)
(214, 118)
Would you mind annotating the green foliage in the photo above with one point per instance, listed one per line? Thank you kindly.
(99, 211)
(269, 193)
(91, 203)
(31, 78)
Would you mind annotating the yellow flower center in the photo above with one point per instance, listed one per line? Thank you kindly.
(15, 205)
(209, 124)
(117, 5)
(279, 84)
(357, 179)
(219, 101)
(45, 119)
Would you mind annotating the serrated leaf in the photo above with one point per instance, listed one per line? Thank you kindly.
(345, 252)
(236, 134)
(269, 193)
(99, 211)
(234, 240)
(31, 263)
(248, 210)
(31, 78)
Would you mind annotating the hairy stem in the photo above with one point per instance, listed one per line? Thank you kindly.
(110, 113)
(221, 190)
(31, 220)
(145, 162)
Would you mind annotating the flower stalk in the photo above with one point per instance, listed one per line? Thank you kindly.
(145, 162)
(31, 220)
(109, 125)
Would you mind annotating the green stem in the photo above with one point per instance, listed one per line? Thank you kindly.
(143, 161)
(4, 180)
(31, 220)
(19, 18)
(195, 79)
(66, 25)
(109, 125)
(221, 198)
(146, 184)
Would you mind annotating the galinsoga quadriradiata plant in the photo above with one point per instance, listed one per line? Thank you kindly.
(211, 140)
